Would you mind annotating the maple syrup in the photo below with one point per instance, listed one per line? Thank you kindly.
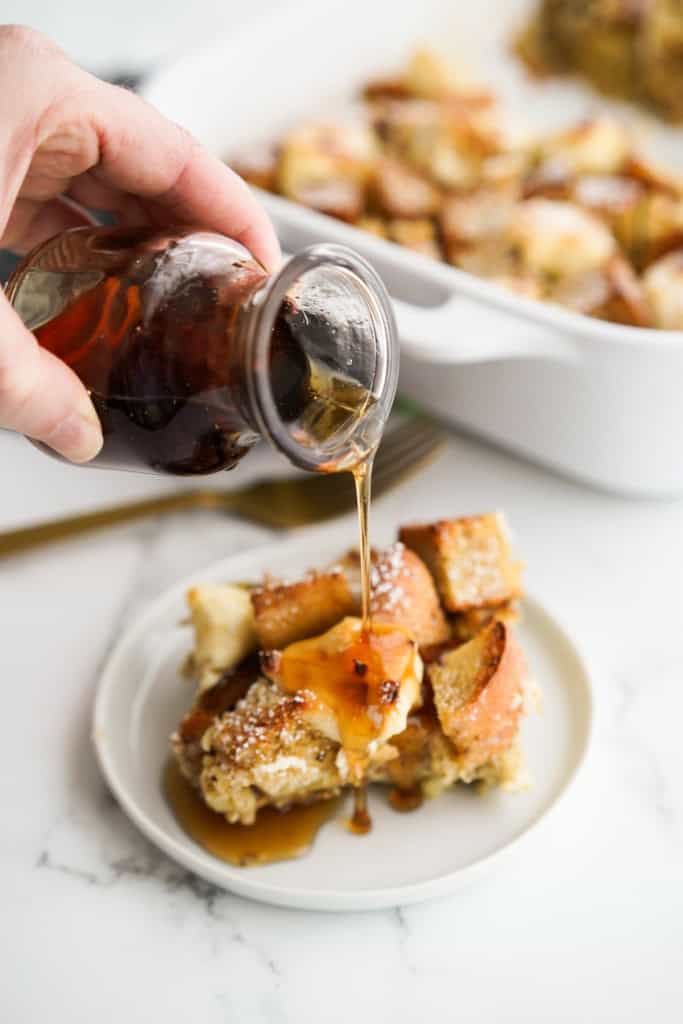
(275, 835)
(281, 835)
(360, 822)
(362, 478)
(352, 674)
(405, 800)
(191, 352)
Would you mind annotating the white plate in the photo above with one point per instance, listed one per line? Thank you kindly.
(434, 851)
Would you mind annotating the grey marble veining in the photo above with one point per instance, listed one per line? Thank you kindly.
(585, 925)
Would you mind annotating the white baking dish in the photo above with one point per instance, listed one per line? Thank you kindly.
(594, 400)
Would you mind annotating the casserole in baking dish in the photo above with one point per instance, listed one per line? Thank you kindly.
(595, 400)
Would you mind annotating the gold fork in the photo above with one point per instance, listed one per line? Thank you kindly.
(280, 504)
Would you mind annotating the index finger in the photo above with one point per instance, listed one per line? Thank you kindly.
(146, 155)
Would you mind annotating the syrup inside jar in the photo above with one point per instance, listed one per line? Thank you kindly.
(191, 352)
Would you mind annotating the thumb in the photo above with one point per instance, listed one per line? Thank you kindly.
(40, 396)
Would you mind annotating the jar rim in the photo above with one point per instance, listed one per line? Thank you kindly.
(381, 316)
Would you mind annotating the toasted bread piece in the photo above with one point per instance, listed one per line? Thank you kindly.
(403, 594)
(612, 292)
(373, 225)
(548, 179)
(663, 283)
(400, 192)
(425, 759)
(257, 165)
(598, 145)
(465, 625)
(466, 219)
(338, 197)
(265, 752)
(418, 235)
(651, 229)
(429, 76)
(611, 196)
(287, 612)
(224, 629)
(557, 238)
(209, 705)
(478, 694)
(325, 166)
(470, 560)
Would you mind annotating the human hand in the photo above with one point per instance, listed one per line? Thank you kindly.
(66, 135)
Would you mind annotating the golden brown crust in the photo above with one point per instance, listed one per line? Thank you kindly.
(403, 594)
(478, 693)
(465, 625)
(418, 235)
(470, 560)
(210, 705)
(247, 743)
(265, 752)
(258, 166)
(574, 217)
(399, 192)
(287, 612)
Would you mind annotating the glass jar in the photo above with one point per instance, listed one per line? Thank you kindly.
(191, 351)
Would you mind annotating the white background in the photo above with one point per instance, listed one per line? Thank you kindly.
(106, 36)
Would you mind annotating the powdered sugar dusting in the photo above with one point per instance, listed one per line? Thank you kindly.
(388, 571)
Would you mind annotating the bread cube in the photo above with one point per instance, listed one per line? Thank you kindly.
(400, 192)
(598, 145)
(417, 235)
(258, 166)
(373, 225)
(224, 629)
(287, 612)
(610, 293)
(466, 625)
(481, 214)
(557, 238)
(326, 166)
(429, 76)
(663, 284)
(403, 594)
(479, 694)
(469, 558)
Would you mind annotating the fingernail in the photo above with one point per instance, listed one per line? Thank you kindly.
(79, 436)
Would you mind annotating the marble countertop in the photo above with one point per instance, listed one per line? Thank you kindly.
(585, 924)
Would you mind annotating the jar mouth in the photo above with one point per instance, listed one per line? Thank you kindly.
(325, 353)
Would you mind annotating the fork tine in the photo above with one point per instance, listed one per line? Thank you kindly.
(406, 468)
(420, 435)
(402, 456)
(397, 436)
(304, 500)
(405, 435)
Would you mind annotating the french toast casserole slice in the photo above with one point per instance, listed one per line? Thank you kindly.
(285, 713)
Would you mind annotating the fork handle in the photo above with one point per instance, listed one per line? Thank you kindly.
(13, 542)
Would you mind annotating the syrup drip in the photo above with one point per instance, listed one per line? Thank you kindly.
(361, 822)
(362, 478)
(275, 835)
(405, 800)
